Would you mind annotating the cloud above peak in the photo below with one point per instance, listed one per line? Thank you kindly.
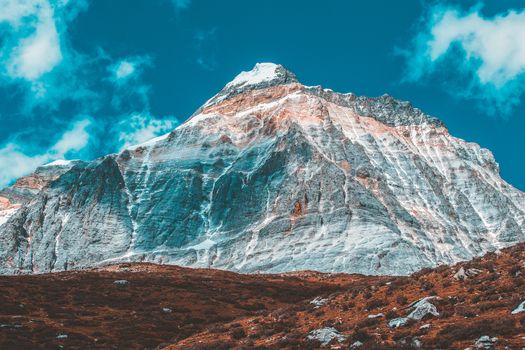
(124, 69)
(19, 158)
(130, 67)
(476, 57)
(142, 127)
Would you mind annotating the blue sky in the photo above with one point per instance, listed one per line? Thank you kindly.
(83, 78)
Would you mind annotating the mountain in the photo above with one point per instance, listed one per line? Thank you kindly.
(271, 175)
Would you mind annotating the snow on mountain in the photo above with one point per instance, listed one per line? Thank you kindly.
(149, 142)
(271, 175)
(58, 162)
(260, 73)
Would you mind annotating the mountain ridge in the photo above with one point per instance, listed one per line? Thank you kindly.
(276, 176)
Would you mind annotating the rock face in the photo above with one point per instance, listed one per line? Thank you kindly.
(271, 175)
(27, 187)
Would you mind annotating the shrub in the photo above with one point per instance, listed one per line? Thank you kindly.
(491, 305)
(217, 329)
(368, 322)
(238, 333)
(374, 304)
(426, 285)
(474, 330)
(391, 314)
(361, 335)
(464, 312)
(401, 300)
(213, 346)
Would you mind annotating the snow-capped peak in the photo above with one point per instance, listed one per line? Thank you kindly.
(260, 73)
(263, 75)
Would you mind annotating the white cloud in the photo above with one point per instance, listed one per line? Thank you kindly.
(36, 52)
(15, 163)
(130, 67)
(37, 58)
(14, 11)
(17, 160)
(33, 49)
(142, 127)
(124, 69)
(73, 140)
(487, 53)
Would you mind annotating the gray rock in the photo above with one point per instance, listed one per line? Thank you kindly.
(318, 301)
(519, 309)
(270, 175)
(121, 282)
(326, 335)
(463, 274)
(419, 310)
(485, 342)
(355, 345)
(423, 308)
(398, 322)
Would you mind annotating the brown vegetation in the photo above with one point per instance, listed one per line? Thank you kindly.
(178, 308)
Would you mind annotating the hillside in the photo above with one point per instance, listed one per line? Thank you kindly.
(137, 306)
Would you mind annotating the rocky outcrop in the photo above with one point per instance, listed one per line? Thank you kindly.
(270, 175)
(27, 187)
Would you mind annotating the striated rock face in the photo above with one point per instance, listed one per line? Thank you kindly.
(270, 175)
(27, 187)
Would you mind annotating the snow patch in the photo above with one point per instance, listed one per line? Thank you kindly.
(59, 162)
(6, 214)
(260, 73)
(149, 142)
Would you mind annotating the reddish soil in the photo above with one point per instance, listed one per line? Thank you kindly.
(158, 304)
(178, 308)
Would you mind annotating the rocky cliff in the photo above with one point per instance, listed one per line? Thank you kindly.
(271, 175)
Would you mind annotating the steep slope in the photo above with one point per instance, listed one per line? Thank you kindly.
(275, 176)
(474, 305)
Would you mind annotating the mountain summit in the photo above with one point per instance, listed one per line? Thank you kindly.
(271, 175)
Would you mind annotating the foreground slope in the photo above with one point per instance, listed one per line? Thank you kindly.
(140, 306)
(144, 306)
(271, 175)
